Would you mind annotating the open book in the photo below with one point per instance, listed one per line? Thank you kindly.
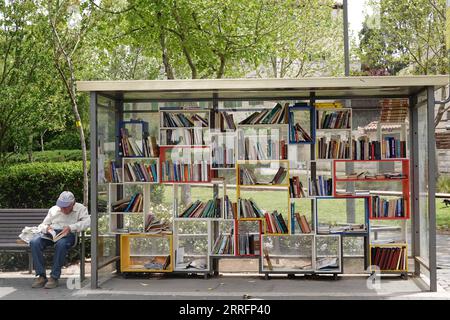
(52, 235)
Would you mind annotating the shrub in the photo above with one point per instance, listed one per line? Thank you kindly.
(38, 185)
(48, 156)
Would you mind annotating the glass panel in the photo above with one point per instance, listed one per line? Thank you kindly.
(423, 181)
(106, 242)
(288, 253)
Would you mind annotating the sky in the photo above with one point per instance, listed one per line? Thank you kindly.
(356, 14)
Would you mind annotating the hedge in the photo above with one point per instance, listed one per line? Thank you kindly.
(48, 156)
(38, 185)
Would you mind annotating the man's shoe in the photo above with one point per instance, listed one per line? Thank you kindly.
(39, 282)
(51, 283)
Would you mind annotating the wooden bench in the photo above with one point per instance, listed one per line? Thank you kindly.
(12, 221)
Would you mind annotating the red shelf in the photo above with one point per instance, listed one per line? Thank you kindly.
(404, 181)
(366, 180)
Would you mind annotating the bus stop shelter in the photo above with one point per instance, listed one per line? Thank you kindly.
(110, 100)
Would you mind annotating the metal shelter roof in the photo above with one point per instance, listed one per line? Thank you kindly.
(323, 87)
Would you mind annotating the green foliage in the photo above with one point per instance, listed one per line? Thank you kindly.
(38, 185)
(65, 141)
(443, 184)
(406, 33)
(48, 156)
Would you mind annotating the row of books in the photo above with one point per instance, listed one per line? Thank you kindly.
(222, 156)
(199, 209)
(393, 148)
(267, 150)
(230, 208)
(226, 121)
(333, 149)
(394, 258)
(185, 172)
(320, 186)
(298, 134)
(302, 223)
(275, 222)
(365, 175)
(177, 120)
(334, 119)
(249, 244)
(388, 208)
(143, 172)
(249, 209)
(224, 244)
(182, 137)
(156, 226)
(132, 203)
(113, 173)
(277, 115)
(130, 147)
(296, 188)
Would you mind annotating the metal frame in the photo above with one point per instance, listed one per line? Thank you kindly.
(215, 98)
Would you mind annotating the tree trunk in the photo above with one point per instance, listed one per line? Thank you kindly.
(30, 148)
(42, 139)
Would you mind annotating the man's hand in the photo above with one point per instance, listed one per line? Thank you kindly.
(65, 231)
(49, 228)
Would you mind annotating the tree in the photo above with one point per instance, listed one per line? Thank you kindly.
(410, 39)
(70, 22)
(27, 89)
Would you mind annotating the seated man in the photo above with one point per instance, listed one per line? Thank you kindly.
(66, 218)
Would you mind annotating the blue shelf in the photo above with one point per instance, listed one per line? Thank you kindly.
(312, 121)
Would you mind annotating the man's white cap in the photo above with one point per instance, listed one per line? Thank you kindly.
(66, 199)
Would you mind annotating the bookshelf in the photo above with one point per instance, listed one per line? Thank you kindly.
(193, 151)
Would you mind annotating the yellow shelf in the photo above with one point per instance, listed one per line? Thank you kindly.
(126, 264)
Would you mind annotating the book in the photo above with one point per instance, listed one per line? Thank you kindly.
(53, 235)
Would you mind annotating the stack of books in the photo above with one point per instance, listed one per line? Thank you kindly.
(199, 209)
(177, 120)
(388, 208)
(275, 223)
(277, 115)
(133, 203)
(128, 147)
(249, 209)
(230, 208)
